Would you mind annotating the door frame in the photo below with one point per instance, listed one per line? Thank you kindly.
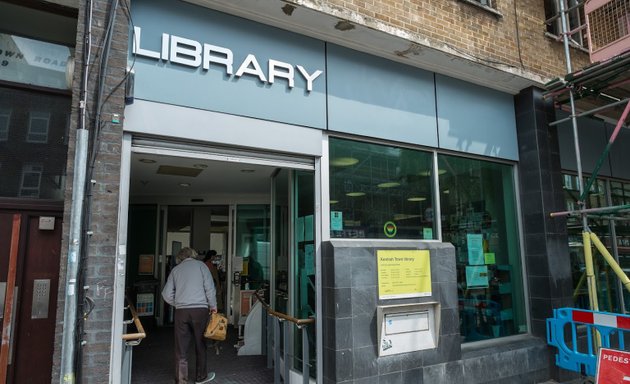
(27, 210)
(145, 145)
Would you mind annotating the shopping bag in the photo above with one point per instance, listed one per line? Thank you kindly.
(216, 328)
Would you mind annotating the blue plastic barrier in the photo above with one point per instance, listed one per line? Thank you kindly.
(579, 357)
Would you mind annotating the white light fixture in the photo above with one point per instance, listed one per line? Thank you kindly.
(355, 194)
(390, 184)
(428, 173)
(343, 161)
(416, 198)
(333, 202)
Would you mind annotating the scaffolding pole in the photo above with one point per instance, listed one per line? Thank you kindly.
(586, 82)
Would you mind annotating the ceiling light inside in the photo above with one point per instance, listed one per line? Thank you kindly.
(343, 161)
(416, 198)
(428, 173)
(390, 184)
(333, 202)
(355, 194)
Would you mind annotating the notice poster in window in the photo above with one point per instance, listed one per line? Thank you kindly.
(427, 233)
(336, 221)
(309, 259)
(145, 264)
(476, 276)
(403, 273)
(474, 242)
(308, 228)
(490, 258)
(299, 229)
(144, 304)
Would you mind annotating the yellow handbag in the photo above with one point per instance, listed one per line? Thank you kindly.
(216, 328)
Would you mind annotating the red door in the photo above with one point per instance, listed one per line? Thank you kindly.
(36, 282)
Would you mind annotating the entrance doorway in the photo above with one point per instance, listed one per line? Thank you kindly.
(29, 277)
(255, 221)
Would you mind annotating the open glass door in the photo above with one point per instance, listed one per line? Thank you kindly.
(250, 259)
(303, 245)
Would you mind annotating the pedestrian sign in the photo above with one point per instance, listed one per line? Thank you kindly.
(613, 367)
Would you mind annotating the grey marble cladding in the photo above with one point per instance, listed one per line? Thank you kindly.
(350, 323)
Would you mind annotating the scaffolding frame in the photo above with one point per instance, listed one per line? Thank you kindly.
(607, 83)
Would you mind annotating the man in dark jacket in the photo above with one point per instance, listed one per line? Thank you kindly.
(189, 288)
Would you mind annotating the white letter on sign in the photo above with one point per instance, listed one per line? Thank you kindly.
(309, 78)
(287, 73)
(185, 51)
(136, 45)
(226, 58)
(256, 71)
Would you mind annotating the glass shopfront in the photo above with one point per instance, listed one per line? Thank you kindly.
(374, 185)
(379, 191)
(478, 211)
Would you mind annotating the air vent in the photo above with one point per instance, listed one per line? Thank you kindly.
(172, 170)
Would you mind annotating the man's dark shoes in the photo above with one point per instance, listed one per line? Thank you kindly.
(208, 379)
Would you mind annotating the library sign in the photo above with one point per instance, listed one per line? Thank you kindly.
(403, 273)
(195, 54)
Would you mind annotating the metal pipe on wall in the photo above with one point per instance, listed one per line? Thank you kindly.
(68, 342)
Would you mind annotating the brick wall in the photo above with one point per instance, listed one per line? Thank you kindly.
(473, 32)
(101, 248)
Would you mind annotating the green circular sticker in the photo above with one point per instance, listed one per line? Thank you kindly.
(390, 229)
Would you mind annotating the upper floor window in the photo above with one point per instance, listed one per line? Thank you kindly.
(488, 5)
(31, 180)
(576, 21)
(38, 127)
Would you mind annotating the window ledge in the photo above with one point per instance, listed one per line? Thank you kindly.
(484, 7)
(556, 38)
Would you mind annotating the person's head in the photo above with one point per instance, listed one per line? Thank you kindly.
(210, 255)
(186, 253)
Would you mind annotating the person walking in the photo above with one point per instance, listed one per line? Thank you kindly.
(190, 289)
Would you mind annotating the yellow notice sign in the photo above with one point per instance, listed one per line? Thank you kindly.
(403, 273)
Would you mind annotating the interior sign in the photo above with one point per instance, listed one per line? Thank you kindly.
(192, 53)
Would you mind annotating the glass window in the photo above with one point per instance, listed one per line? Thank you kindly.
(38, 127)
(575, 19)
(479, 218)
(379, 191)
(31, 180)
(28, 117)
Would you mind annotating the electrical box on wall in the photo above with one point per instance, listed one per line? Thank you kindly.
(408, 327)
(47, 223)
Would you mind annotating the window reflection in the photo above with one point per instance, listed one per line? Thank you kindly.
(378, 191)
(479, 219)
(33, 144)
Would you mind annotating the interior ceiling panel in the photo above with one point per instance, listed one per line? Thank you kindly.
(212, 177)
